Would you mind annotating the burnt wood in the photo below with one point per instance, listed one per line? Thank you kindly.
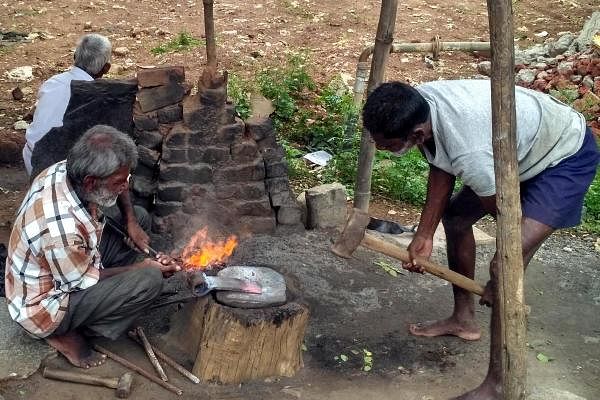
(99, 102)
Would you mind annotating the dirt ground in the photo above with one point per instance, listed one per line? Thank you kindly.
(354, 304)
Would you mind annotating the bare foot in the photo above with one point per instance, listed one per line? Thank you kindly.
(450, 326)
(76, 349)
(488, 390)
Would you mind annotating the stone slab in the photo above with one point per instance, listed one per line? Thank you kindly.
(20, 355)
(150, 77)
(326, 206)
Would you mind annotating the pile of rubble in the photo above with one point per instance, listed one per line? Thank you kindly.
(568, 68)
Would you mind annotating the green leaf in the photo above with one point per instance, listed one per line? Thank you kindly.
(367, 368)
(303, 347)
(344, 357)
(543, 358)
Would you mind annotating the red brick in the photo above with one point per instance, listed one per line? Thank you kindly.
(150, 77)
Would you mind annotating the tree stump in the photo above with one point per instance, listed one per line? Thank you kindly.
(233, 345)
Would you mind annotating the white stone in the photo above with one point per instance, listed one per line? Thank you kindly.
(21, 125)
(121, 51)
(20, 74)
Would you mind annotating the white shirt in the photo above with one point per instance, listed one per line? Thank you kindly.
(461, 118)
(53, 99)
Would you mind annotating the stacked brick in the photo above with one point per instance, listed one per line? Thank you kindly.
(198, 160)
(157, 108)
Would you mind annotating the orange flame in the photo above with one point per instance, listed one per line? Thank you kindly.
(202, 252)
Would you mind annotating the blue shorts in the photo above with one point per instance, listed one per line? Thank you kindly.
(555, 196)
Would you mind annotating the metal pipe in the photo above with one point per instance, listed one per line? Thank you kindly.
(434, 47)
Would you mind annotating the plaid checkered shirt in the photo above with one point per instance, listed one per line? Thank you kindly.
(53, 250)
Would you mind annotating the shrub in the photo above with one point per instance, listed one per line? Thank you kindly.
(182, 42)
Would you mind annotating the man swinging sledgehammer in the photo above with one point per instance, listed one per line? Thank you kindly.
(451, 124)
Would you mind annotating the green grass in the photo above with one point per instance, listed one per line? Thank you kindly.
(310, 116)
(591, 211)
(182, 42)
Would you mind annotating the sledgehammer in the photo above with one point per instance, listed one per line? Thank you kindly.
(354, 235)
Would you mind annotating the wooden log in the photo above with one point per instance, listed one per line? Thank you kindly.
(508, 334)
(238, 345)
(234, 345)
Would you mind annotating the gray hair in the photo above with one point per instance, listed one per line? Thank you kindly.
(100, 152)
(92, 53)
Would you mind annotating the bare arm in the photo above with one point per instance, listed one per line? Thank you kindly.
(137, 235)
(166, 264)
(439, 188)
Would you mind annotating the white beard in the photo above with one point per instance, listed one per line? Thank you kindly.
(103, 197)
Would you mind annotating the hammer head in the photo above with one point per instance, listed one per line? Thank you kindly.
(123, 388)
(352, 235)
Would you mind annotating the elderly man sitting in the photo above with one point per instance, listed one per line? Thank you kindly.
(90, 61)
(57, 285)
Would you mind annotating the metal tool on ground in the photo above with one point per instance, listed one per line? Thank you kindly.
(201, 284)
(391, 227)
(139, 370)
(167, 360)
(148, 348)
(354, 235)
(122, 384)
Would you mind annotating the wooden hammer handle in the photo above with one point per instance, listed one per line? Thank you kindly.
(79, 377)
(381, 246)
(139, 370)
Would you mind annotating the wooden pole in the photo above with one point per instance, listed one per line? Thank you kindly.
(508, 320)
(383, 46)
(209, 34)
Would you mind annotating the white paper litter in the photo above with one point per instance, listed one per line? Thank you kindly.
(320, 157)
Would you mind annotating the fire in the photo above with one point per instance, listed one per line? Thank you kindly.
(202, 252)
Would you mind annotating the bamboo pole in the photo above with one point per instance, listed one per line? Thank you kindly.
(209, 34)
(383, 45)
(508, 318)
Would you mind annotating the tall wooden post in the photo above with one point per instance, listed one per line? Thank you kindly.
(209, 34)
(508, 304)
(383, 46)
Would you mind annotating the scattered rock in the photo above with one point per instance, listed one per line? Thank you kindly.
(565, 68)
(121, 51)
(17, 93)
(21, 125)
(561, 45)
(87, 26)
(11, 147)
(20, 74)
(525, 77)
(485, 68)
(588, 31)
